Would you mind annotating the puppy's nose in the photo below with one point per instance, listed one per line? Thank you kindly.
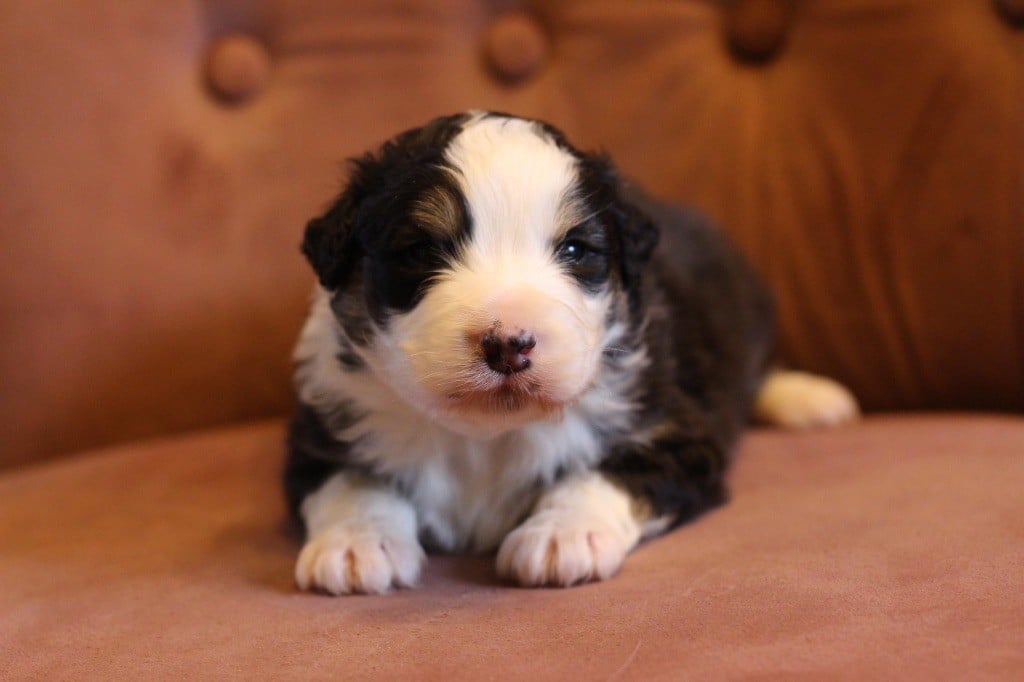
(507, 354)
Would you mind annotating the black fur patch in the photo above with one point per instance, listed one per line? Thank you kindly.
(313, 456)
(370, 231)
(350, 361)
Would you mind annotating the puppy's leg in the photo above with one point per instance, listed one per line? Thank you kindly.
(361, 538)
(797, 400)
(581, 529)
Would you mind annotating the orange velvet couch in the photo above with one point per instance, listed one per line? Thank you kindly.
(159, 159)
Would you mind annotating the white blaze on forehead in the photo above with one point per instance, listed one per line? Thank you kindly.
(517, 183)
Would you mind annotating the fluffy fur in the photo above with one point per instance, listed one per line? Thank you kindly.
(499, 357)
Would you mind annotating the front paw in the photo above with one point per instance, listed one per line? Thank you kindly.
(563, 547)
(358, 558)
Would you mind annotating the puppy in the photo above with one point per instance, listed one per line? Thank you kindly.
(501, 354)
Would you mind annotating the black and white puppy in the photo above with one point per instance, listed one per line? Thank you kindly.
(503, 355)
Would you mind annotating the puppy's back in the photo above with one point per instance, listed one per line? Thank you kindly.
(710, 312)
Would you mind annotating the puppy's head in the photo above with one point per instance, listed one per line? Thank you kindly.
(478, 266)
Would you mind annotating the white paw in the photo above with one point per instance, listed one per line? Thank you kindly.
(797, 400)
(563, 547)
(358, 558)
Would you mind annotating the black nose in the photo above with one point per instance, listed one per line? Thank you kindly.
(507, 354)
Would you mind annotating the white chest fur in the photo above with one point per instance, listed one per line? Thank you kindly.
(468, 492)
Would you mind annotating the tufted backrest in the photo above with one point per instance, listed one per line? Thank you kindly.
(158, 160)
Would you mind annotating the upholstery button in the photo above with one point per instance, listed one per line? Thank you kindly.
(237, 67)
(516, 47)
(756, 29)
(1012, 11)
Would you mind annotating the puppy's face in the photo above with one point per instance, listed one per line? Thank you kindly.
(478, 266)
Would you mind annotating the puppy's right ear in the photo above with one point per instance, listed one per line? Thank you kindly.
(328, 244)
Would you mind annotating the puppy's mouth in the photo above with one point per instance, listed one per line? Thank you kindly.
(508, 395)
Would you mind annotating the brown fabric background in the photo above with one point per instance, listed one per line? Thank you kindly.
(149, 275)
(890, 550)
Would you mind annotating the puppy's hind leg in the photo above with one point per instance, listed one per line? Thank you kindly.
(798, 400)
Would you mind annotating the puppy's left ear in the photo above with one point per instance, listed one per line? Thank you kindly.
(638, 236)
(328, 244)
(636, 231)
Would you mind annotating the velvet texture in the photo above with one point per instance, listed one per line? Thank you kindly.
(155, 175)
(158, 160)
(890, 550)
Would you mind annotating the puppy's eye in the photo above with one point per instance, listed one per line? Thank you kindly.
(575, 250)
(415, 254)
(582, 255)
(571, 251)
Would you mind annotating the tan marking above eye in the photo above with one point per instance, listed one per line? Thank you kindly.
(438, 212)
(571, 211)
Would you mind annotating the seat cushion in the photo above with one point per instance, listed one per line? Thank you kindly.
(891, 547)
